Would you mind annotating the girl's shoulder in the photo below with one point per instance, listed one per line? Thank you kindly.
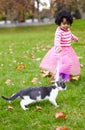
(58, 30)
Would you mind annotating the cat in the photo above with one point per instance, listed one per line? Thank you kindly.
(35, 94)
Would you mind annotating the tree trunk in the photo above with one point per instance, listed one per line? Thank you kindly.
(82, 13)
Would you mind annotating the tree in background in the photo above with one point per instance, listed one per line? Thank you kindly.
(16, 10)
(20, 10)
(81, 7)
(76, 6)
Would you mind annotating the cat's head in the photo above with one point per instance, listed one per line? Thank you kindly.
(60, 84)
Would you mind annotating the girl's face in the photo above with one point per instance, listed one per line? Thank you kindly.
(64, 24)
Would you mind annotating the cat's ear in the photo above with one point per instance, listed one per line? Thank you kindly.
(61, 79)
(64, 80)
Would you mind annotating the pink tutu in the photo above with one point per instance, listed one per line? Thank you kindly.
(68, 60)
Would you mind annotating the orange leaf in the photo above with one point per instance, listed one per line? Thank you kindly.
(61, 128)
(60, 115)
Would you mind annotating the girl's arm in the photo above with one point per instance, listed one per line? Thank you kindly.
(74, 38)
(57, 41)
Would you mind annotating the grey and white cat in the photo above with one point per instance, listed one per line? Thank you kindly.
(30, 95)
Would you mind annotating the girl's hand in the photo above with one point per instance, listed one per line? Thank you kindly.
(59, 49)
(76, 40)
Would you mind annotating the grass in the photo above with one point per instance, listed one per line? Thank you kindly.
(26, 45)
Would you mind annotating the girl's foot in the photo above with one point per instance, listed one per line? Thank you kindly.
(65, 77)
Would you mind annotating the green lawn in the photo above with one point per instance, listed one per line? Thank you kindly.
(27, 46)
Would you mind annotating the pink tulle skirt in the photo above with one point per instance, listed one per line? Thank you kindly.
(67, 59)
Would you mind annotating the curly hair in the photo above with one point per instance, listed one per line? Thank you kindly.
(63, 14)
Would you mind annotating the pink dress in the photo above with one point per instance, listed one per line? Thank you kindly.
(69, 63)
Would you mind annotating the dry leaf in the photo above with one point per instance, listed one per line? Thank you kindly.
(61, 128)
(10, 108)
(45, 73)
(37, 59)
(14, 61)
(60, 115)
(46, 48)
(75, 77)
(21, 67)
(80, 57)
(35, 80)
(25, 57)
(38, 108)
(52, 80)
(32, 56)
(8, 82)
(81, 65)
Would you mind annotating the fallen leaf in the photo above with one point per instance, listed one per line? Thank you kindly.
(60, 115)
(80, 57)
(61, 128)
(10, 108)
(81, 65)
(8, 82)
(38, 108)
(21, 67)
(32, 56)
(35, 80)
(25, 57)
(52, 80)
(46, 48)
(45, 73)
(75, 77)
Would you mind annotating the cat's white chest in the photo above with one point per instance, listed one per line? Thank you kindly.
(54, 93)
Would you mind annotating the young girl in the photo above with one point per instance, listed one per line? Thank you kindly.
(62, 51)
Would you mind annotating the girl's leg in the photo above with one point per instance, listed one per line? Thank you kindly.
(65, 77)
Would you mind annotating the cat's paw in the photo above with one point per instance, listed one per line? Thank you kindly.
(25, 109)
(57, 106)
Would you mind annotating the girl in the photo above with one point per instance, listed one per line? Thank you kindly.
(62, 51)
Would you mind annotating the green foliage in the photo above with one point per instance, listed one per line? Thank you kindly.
(27, 15)
(1, 17)
(17, 46)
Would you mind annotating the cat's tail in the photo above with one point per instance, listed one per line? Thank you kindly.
(13, 97)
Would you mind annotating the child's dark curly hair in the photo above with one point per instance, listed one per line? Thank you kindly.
(63, 14)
